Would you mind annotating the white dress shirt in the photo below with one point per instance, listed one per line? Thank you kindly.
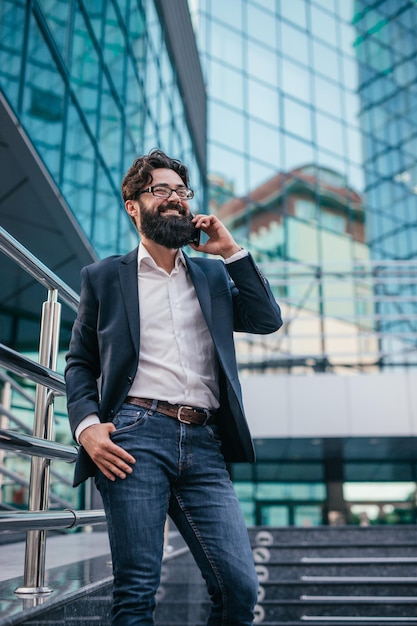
(176, 360)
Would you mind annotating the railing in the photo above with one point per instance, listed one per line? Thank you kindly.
(339, 316)
(49, 384)
(9, 383)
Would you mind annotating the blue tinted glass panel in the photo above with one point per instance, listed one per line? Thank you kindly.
(263, 64)
(295, 12)
(295, 81)
(297, 119)
(262, 25)
(294, 43)
(44, 102)
(11, 48)
(230, 127)
(263, 102)
(227, 46)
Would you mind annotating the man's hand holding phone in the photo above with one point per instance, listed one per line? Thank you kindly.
(220, 241)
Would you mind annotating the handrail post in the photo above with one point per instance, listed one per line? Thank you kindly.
(6, 393)
(34, 574)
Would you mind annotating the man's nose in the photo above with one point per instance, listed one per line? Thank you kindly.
(174, 193)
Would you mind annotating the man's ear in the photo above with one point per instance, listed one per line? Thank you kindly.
(131, 208)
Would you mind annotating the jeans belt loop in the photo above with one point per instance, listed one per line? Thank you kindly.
(208, 415)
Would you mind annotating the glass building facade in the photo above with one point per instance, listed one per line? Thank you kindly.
(283, 88)
(326, 87)
(93, 85)
(312, 163)
(386, 49)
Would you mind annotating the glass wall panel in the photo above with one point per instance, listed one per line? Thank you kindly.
(297, 119)
(79, 170)
(261, 24)
(296, 152)
(295, 80)
(295, 11)
(228, 12)
(323, 24)
(44, 101)
(328, 97)
(326, 60)
(294, 43)
(226, 84)
(229, 127)
(227, 46)
(264, 143)
(114, 49)
(262, 63)
(59, 19)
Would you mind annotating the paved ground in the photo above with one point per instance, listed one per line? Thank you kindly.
(60, 550)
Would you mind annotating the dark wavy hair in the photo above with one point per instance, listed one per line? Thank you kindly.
(139, 175)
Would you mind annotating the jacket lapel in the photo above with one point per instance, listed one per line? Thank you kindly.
(202, 288)
(128, 276)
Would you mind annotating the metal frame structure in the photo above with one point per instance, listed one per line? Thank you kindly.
(360, 316)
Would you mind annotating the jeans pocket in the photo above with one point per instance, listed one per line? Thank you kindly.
(128, 418)
(213, 431)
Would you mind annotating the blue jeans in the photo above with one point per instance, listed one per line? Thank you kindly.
(179, 470)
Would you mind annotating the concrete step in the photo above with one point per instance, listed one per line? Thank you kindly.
(329, 535)
(274, 553)
(290, 610)
(294, 571)
(294, 590)
(346, 620)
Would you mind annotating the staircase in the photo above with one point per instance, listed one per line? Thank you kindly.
(324, 576)
(336, 575)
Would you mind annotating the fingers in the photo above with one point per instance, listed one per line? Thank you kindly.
(205, 222)
(220, 240)
(111, 459)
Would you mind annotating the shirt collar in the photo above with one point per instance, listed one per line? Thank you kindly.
(144, 256)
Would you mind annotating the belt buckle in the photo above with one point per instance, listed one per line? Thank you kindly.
(181, 419)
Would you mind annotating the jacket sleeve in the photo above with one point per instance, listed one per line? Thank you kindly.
(82, 360)
(255, 308)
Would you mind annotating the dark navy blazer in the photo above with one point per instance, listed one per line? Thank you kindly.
(104, 350)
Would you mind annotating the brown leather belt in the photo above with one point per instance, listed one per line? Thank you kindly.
(180, 412)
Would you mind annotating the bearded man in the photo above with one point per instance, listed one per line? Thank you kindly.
(155, 327)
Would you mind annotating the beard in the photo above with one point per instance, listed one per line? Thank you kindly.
(171, 231)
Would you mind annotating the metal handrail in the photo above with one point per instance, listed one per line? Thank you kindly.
(47, 520)
(25, 367)
(35, 446)
(38, 518)
(26, 260)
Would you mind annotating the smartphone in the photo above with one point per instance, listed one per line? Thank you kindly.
(195, 238)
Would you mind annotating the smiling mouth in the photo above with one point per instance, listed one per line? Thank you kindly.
(172, 212)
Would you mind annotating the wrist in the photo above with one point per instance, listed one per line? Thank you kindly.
(90, 420)
(231, 251)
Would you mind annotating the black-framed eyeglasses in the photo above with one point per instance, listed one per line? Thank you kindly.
(162, 191)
